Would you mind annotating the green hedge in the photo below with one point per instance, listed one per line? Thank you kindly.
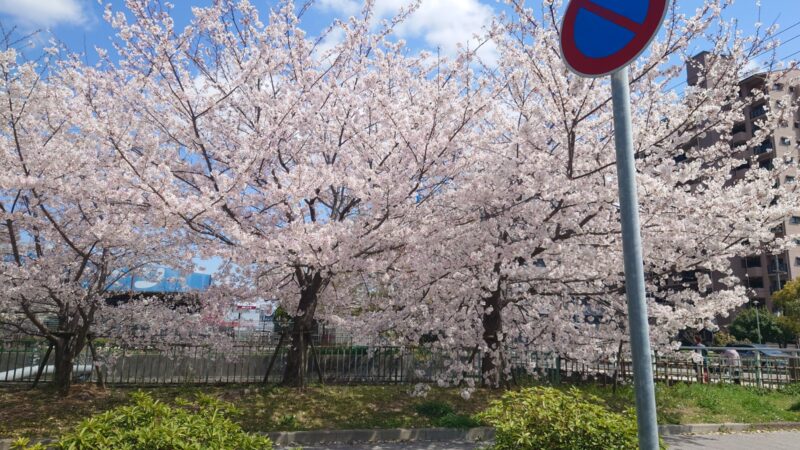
(151, 425)
(539, 418)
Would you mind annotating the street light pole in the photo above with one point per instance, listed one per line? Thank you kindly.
(777, 272)
(758, 323)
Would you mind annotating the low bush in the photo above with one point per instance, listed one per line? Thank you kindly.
(442, 414)
(456, 421)
(538, 418)
(434, 409)
(151, 425)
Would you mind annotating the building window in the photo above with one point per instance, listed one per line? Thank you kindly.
(739, 128)
(797, 260)
(764, 147)
(789, 179)
(758, 111)
(755, 283)
(777, 87)
(795, 220)
(765, 164)
(751, 261)
(786, 141)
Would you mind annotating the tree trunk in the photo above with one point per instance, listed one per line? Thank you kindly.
(96, 365)
(62, 377)
(297, 354)
(491, 365)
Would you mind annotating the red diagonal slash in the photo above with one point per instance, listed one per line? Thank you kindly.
(609, 15)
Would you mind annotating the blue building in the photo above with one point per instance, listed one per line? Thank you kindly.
(162, 280)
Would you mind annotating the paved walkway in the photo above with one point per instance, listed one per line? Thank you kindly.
(778, 440)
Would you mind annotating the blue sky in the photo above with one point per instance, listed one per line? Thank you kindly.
(440, 24)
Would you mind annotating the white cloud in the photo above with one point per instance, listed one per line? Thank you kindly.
(44, 13)
(346, 7)
(751, 67)
(441, 24)
(331, 40)
(445, 24)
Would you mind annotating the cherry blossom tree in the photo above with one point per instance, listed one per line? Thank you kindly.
(69, 228)
(524, 248)
(407, 195)
(304, 165)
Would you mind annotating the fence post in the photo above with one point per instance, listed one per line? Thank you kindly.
(557, 373)
(759, 382)
(794, 367)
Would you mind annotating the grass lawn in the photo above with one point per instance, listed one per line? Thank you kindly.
(39, 413)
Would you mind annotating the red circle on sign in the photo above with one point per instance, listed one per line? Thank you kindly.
(597, 67)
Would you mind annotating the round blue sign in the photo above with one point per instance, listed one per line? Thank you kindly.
(601, 36)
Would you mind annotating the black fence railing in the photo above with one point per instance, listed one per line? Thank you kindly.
(20, 361)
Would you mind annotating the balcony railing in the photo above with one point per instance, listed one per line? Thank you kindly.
(779, 268)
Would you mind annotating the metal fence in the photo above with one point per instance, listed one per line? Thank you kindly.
(342, 364)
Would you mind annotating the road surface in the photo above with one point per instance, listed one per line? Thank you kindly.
(777, 440)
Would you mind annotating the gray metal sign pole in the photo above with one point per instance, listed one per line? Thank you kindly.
(634, 269)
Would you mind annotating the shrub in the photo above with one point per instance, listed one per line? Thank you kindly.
(790, 389)
(722, 338)
(434, 409)
(748, 322)
(443, 415)
(538, 418)
(453, 420)
(287, 421)
(151, 425)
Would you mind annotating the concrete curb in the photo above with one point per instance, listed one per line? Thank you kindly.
(481, 434)
(381, 435)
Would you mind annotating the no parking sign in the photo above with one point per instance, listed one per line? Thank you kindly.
(601, 36)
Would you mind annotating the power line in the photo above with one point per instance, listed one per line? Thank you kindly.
(781, 44)
(786, 29)
(778, 46)
(789, 56)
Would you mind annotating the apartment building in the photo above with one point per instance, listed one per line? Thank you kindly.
(766, 273)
